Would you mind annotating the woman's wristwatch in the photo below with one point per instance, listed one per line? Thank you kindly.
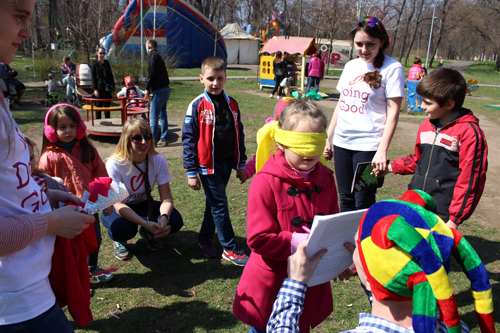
(167, 216)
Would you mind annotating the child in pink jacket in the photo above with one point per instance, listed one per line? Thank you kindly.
(289, 183)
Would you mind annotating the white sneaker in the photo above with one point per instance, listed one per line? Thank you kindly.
(277, 97)
(271, 96)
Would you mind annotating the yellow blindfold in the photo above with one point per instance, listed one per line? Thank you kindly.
(304, 144)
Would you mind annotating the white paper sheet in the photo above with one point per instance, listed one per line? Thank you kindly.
(331, 232)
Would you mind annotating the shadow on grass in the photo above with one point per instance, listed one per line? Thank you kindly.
(181, 262)
(176, 270)
(177, 317)
(488, 251)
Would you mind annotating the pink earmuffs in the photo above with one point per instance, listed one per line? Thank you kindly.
(50, 131)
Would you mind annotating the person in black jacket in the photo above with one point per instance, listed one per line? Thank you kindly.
(157, 83)
(279, 69)
(103, 81)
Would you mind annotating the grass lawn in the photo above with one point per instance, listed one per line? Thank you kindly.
(179, 290)
(483, 71)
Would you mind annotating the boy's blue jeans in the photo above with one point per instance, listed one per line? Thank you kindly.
(216, 207)
(346, 161)
(159, 110)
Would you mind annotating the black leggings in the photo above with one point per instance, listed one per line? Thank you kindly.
(278, 79)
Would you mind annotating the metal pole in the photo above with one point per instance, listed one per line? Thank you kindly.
(142, 43)
(430, 38)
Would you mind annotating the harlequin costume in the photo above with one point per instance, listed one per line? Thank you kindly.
(405, 251)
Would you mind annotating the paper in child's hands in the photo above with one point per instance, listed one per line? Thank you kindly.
(331, 232)
(103, 193)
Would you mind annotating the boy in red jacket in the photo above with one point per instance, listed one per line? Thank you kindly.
(450, 159)
(213, 144)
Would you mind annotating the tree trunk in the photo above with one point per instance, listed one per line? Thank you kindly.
(497, 64)
(405, 36)
(393, 42)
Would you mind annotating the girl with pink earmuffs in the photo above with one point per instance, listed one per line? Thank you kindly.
(68, 154)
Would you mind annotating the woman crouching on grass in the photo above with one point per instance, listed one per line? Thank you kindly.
(136, 164)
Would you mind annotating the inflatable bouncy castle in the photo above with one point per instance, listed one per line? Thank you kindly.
(275, 27)
(180, 30)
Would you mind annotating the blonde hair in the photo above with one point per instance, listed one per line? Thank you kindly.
(123, 148)
(298, 109)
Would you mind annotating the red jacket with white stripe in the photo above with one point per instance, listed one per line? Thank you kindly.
(198, 136)
(450, 164)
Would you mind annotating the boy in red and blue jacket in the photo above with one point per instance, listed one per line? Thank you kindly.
(451, 154)
(213, 144)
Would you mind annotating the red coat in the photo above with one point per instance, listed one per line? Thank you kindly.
(269, 234)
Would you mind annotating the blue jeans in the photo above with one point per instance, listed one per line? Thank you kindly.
(345, 161)
(316, 81)
(216, 207)
(70, 86)
(121, 230)
(159, 110)
(256, 330)
(51, 321)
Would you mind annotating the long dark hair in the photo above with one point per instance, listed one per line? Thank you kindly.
(88, 151)
(373, 27)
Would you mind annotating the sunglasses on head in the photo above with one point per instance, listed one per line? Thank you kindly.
(139, 137)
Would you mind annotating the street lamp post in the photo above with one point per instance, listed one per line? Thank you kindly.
(430, 37)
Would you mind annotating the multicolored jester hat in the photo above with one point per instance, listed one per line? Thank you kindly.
(405, 251)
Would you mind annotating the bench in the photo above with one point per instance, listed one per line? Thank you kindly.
(89, 106)
(124, 110)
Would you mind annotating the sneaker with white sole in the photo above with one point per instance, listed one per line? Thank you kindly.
(237, 256)
(153, 243)
(209, 249)
(120, 250)
(99, 275)
(271, 96)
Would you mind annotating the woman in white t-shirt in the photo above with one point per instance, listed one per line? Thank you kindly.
(28, 225)
(363, 123)
(136, 164)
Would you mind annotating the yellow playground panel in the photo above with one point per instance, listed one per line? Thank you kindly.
(266, 71)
